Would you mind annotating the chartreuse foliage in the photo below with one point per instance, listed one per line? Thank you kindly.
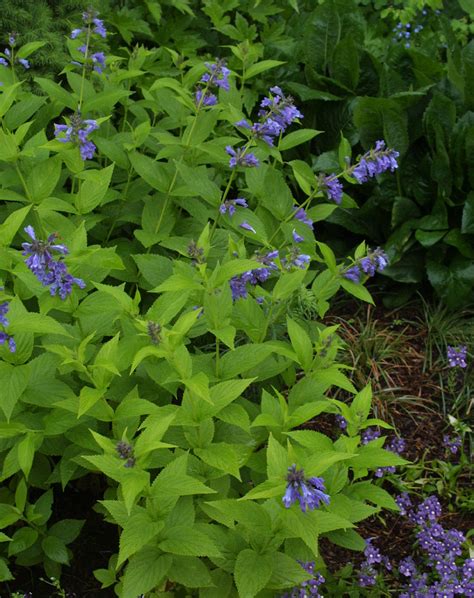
(143, 367)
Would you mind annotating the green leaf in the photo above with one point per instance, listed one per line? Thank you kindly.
(66, 530)
(88, 398)
(13, 381)
(138, 531)
(11, 224)
(252, 572)
(348, 538)
(322, 34)
(287, 284)
(468, 214)
(357, 290)
(151, 171)
(22, 539)
(58, 93)
(297, 138)
(145, 571)
(28, 49)
(222, 456)
(360, 406)
(55, 549)
(301, 343)
(26, 453)
(38, 323)
(43, 178)
(93, 188)
(261, 67)
(186, 541)
(191, 572)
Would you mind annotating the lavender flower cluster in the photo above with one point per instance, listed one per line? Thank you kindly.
(125, 452)
(369, 567)
(216, 77)
(4, 336)
(441, 549)
(277, 113)
(92, 26)
(376, 161)
(374, 261)
(307, 588)
(238, 284)
(48, 270)
(308, 492)
(10, 58)
(78, 131)
(457, 356)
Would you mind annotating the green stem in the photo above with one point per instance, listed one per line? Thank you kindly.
(217, 357)
(119, 211)
(223, 198)
(23, 182)
(304, 205)
(84, 67)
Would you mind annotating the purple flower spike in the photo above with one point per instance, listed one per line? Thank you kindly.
(4, 336)
(49, 271)
(457, 356)
(99, 27)
(333, 188)
(77, 132)
(310, 493)
(375, 162)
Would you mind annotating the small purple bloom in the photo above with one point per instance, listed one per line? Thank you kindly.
(4, 307)
(75, 33)
(3, 61)
(407, 567)
(453, 443)
(341, 421)
(24, 63)
(368, 435)
(98, 59)
(301, 260)
(239, 157)
(99, 27)
(296, 237)
(457, 356)
(333, 188)
(245, 225)
(206, 99)
(353, 273)
(302, 216)
(228, 207)
(244, 124)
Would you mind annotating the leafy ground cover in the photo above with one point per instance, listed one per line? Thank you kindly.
(202, 393)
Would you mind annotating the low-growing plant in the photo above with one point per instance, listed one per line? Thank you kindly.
(152, 257)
